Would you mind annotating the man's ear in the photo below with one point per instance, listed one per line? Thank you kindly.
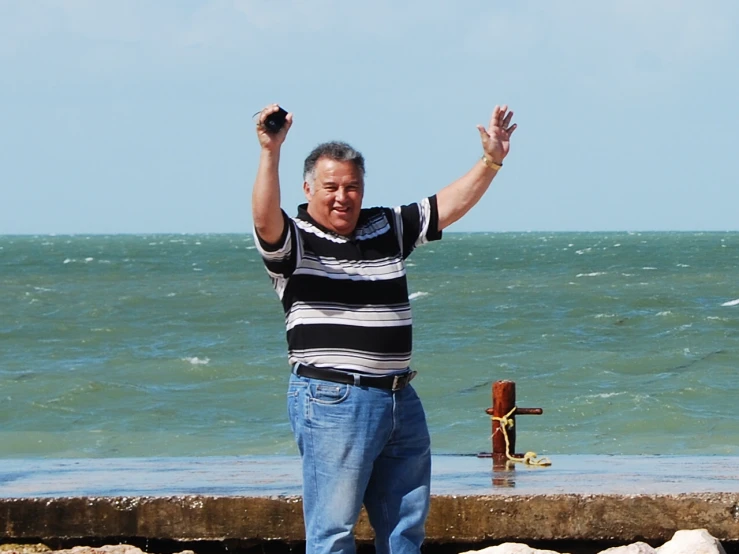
(307, 191)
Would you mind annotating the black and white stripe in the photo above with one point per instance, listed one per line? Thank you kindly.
(346, 298)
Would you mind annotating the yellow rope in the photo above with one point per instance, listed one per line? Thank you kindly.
(506, 422)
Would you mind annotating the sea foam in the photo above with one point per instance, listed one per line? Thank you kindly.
(197, 361)
(731, 303)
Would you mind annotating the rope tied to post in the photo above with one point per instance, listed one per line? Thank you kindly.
(507, 422)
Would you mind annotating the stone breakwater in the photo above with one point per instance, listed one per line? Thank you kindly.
(697, 541)
(580, 505)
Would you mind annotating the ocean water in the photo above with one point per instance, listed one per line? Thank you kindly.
(173, 345)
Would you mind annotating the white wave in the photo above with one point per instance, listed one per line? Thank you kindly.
(171, 294)
(89, 259)
(415, 295)
(731, 303)
(683, 265)
(594, 274)
(68, 261)
(648, 268)
(197, 361)
(597, 397)
(667, 312)
(607, 394)
(601, 316)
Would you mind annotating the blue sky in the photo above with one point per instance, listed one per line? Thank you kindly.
(135, 116)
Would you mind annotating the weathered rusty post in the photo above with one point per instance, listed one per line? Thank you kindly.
(504, 404)
(504, 400)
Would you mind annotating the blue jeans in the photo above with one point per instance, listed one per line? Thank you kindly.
(361, 445)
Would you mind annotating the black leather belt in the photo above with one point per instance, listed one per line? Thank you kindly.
(390, 382)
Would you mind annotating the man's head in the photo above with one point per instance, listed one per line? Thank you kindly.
(333, 176)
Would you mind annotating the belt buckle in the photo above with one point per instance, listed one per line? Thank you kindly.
(400, 381)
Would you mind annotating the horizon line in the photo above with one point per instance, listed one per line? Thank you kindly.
(251, 233)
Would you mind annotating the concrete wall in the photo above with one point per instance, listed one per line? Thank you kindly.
(453, 518)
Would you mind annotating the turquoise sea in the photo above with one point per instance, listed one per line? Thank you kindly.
(173, 345)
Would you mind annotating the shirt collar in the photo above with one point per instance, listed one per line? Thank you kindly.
(305, 216)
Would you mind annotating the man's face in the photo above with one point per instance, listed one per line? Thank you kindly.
(336, 198)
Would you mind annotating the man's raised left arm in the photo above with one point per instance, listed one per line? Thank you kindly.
(456, 199)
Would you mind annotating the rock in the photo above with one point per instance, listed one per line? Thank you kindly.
(636, 548)
(695, 541)
(511, 548)
(108, 549)
(24, 548)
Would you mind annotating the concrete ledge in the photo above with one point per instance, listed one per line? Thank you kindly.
(452, 519)
(578, 498)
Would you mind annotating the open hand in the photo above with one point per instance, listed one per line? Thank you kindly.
(496, 139)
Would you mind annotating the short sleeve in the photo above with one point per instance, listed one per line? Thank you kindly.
(279, 258)
(417, 224)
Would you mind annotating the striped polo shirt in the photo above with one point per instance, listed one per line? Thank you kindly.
(346, 298)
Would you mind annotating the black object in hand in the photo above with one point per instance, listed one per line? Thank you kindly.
(275, 121)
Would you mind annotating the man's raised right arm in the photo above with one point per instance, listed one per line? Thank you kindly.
(265, 200)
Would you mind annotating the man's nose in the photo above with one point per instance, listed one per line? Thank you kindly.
(340, 194)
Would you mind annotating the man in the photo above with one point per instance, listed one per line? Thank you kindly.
(339, 272)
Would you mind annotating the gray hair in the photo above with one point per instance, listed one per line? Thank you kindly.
(337, 151)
